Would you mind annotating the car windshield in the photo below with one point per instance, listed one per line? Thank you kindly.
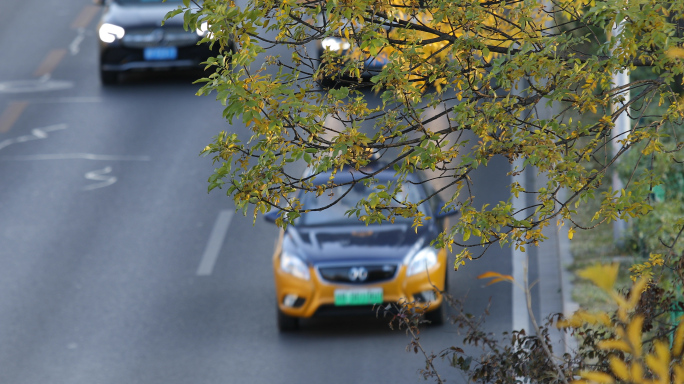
(335, 215)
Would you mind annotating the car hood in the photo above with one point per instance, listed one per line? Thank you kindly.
(141, 15)
(351, 243)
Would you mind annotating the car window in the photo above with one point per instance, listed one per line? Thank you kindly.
(335, 215)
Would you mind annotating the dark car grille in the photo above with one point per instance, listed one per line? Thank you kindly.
(358, 274)
(150, 37)
(380, 310)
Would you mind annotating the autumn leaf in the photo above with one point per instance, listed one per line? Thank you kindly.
(602, 275)
(678, 340)
(619, 368)
(597, 377)
(496, 277)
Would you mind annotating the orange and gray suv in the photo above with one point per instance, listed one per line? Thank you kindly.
(330, 264)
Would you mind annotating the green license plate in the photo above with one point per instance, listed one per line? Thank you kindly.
(358, 296)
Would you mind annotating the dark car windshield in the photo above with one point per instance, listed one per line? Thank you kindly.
(335, 215)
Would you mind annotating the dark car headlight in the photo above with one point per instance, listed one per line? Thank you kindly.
(423, 260)
(109, 33)
(293, 265)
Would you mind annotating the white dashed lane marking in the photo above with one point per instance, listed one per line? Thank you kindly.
(218, 235)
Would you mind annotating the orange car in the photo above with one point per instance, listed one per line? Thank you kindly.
(331, 264)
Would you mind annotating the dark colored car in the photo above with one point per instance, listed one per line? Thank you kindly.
(372, 65)
(330, 264)
(132, 38)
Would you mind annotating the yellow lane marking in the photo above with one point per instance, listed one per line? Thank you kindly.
(85, 17)
(50, 63)
(11, 115)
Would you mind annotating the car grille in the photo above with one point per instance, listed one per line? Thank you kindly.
(380, 310)
(150, 37)
(358, 274)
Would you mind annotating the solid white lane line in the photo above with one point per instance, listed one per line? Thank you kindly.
(521, 319)
(75, 99)
(75, 156)
(211, 252)
(520, 315)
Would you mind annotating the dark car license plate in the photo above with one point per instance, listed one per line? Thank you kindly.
(161, 53)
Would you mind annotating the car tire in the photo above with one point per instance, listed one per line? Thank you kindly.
(437, 316)
(109, 77)
(287, 323)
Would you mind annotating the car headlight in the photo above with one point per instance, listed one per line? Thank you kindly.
(109, 33)
(335, 44)
(294, 266)
(422, 261)
(203, 29)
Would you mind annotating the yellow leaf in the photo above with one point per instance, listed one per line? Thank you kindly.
(637, 372)
(590, 318)
(615, 344)
(602, 275)
(675, 52)
(582, 317)
(619, 368)
(678, 341)
(634, 334)
(678, 374)
(604, 319)
(569, 323)
(571, 233)
(597, 377)
(635, 294)
(659, 362)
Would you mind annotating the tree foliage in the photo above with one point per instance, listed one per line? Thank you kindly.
(641, 342)
(465, 82)
(636, 343)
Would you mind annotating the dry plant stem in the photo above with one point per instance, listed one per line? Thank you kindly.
(428, 359)
(537, 331)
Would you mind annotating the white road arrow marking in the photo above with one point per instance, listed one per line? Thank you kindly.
(100, 175)
(36, 134)
(74, 47)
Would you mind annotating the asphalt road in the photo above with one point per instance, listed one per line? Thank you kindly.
(117, 266)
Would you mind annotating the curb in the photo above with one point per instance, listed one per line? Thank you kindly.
(565, 259)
